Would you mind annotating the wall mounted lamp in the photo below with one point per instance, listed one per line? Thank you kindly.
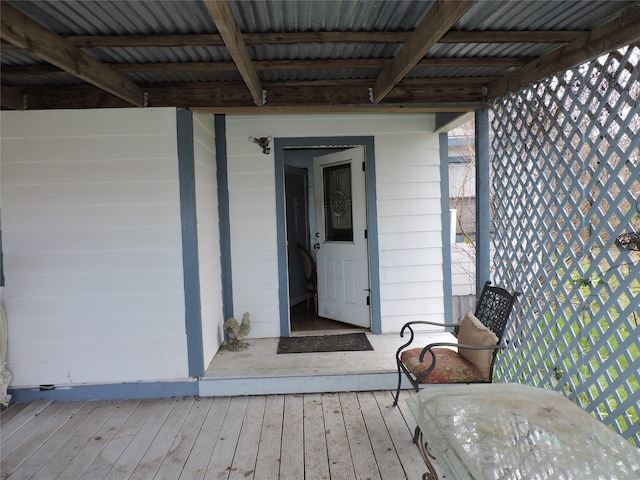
(263, 142)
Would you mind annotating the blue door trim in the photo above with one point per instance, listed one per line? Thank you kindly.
(280, 144)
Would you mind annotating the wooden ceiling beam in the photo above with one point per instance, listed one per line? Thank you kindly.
(12, 97)
(222, 15)
(369, 108)
(23, 32)
(352, 63)
(436, 22)
(182, 40)
(505, 36)
(293, 38)
(456, 62)
(414, 92)
(617, 33)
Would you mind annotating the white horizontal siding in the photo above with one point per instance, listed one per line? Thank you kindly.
(408, 195)
(92, 241)
(208, 235)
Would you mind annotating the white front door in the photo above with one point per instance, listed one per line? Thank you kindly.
(340, 240)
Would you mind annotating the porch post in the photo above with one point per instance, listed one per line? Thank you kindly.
(191, 263)
(224, 223)
(483, 206)
(443, 139)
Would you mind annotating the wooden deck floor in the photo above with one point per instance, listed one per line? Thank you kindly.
(342, 436)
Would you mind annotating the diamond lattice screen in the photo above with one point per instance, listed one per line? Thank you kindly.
(566, 183)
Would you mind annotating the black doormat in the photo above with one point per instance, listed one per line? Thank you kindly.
(348, 342)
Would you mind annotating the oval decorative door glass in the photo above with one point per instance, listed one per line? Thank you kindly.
(337, 203)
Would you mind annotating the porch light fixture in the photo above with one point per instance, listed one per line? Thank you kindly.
(263, 142)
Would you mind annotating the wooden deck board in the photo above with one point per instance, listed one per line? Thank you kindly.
(73, 436)
(202, 450)
(360, 444)
(397, 426)
(292, 447)
(225, 449)
(316, 460)
(88, 454)
(269, 453)
(174, 461)
(159, 447)
(19, 414)
(22, 445)
(246, 452)
(388, 463)
(119, 442)
(291, 437)
(340, 463)
(132, 455)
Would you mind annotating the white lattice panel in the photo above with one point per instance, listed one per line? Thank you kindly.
(566, 183)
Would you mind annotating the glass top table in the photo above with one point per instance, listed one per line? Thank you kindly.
(512, 431)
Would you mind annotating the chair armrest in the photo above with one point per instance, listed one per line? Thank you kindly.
(499, 346)
(408, 326)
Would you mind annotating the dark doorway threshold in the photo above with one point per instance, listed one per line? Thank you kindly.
(304, 322)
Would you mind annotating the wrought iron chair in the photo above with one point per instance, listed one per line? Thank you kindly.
(480, 336)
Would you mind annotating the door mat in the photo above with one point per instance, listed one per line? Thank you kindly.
(349, 342)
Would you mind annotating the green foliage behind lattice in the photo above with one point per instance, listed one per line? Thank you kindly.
(566, 183)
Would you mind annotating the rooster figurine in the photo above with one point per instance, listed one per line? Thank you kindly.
(236, 332)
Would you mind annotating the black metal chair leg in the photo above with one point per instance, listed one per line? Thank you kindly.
(395, 400)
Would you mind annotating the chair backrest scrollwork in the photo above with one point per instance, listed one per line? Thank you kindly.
(494, 307)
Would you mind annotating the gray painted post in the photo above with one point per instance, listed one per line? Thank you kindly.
(190, 261)
(482, 199)
(220, 126)
(446, 228)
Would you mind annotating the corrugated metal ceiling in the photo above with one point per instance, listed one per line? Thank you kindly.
(143, 18)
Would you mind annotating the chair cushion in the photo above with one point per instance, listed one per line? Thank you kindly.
(473, 332)
(450, 367)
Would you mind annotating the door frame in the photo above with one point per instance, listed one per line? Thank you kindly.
(279, 145)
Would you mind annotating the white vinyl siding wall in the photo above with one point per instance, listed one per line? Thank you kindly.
(409, 220)
(409, 224)
(92, 241)
(208, 235)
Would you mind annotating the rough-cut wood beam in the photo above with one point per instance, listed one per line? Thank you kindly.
(186, 40)
(353, 63)
(414, 92)
(293, 38)
(222, 15)
(23, 32)
(438, 19)
(497, 36)
(11, 97)
(456, 62)
(214, 40)
(615, 34)
(368, 108)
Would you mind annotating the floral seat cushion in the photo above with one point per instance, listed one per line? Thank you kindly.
(450, 366)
